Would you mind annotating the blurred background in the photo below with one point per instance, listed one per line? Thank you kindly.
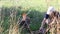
(11, 11)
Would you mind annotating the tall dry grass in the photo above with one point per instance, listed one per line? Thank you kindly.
(12, 20)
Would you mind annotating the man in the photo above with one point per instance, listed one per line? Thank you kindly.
(25, 22)
(46, 20)
(49, 14)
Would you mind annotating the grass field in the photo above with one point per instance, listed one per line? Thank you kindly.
(11, 10)
(30, 3)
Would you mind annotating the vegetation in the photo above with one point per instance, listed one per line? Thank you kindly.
(11, 11)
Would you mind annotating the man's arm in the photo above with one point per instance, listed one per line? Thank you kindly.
(43, 22)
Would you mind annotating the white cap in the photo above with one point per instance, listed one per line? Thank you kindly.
(50, 9)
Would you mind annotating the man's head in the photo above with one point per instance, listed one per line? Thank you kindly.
(51, 8)
(51, 11)
(24, 15)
